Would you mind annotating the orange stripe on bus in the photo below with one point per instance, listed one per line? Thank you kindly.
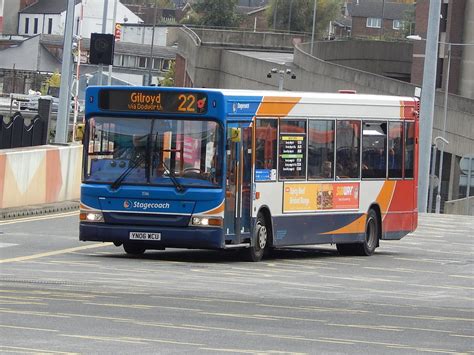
(277, 105)
(218, 209)
(385, 196)
(358, 226)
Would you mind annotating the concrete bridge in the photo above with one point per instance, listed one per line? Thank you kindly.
(241, 60)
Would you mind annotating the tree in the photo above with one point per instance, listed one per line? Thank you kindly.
(302, 14)
(218, 13)
(169, 77)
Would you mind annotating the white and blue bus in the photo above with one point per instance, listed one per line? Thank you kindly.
(221, 169)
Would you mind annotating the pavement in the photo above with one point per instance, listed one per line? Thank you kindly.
(38, 210)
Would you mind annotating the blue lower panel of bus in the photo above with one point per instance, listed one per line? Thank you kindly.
(304, 229)
(189, 237)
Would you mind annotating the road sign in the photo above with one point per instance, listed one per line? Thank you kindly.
(464, 164)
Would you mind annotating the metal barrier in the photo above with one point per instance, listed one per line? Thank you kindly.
(19, 132)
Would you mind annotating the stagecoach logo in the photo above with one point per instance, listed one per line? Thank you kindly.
(238, 106)
(145, 205)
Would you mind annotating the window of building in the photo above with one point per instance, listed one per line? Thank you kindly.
(157, 64)
(142, 62)
(129, 61)
(397, 24)
(374, 22)
(166, 64)
(292, 154)
(374, 150)
(320, 149)
(409, 148)
(27, 25)
(35, 26)
(348, 149)
(117, 59)
(50, 26)
(265, 149)
(395, 150)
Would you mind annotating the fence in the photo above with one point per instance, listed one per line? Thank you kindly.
(21, 132)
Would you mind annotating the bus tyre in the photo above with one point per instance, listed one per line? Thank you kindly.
(367, 247)
(133, 249)
(259, 241)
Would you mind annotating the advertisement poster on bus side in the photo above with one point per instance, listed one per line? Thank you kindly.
(314, 197)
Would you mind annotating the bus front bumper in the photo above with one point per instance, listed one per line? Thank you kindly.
(170, 237)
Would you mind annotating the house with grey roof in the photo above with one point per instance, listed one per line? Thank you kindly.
(378, 18)
(49, 17)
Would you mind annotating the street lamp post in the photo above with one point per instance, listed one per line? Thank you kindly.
(281, 76)
(440, 171)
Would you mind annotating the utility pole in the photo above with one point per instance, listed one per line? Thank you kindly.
(109, 79)
(150, 64)
(314, 25)
(427, 103)
(62, 120)
(104, 30)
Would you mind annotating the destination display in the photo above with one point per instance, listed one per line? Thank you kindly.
(153, 101)
(292, 156)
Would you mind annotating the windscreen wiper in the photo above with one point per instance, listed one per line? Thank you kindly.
(179, 187)
(115, 185)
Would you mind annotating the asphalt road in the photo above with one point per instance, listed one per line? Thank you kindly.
(58, 295)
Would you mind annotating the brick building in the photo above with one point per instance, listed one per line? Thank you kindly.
(378, 18)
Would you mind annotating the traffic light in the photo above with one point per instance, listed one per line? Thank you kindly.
(101, 49)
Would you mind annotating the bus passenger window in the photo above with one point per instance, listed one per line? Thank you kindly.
(395, 151)
(320, 149)
(292, 154)
(265, 149)
(374, 150)
(348, 149)
(409, 148)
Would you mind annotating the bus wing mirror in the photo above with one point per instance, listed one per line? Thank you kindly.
(234, 134)
(79, 131)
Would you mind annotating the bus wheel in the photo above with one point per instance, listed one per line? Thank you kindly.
(133, 249)
(367, 247)
(259, 241)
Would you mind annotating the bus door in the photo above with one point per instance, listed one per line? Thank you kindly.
(238, 181)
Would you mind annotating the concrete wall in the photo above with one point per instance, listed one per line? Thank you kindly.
(464, 206)
(392, 59)
(38, 175)
(466, 86)
(247, 39)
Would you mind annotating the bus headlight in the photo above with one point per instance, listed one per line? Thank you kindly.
(89, 216)
(206, 222)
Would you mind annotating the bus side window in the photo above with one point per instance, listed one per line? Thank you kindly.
(409, 148)
(395, 150)
(265, 149)
(348, 149)
(374, 150)
(320, 149)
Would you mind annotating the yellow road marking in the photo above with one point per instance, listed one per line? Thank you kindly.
(27, 328)
(55, 252)
(462, 336)
(428, 317)
(42, 314)
(140, 306)
(246, 351)
(39, 218)
(41, 351)
(112, 339)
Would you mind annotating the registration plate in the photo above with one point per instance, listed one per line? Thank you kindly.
(144, 236)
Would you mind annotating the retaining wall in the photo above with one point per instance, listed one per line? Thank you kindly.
(39, 175)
